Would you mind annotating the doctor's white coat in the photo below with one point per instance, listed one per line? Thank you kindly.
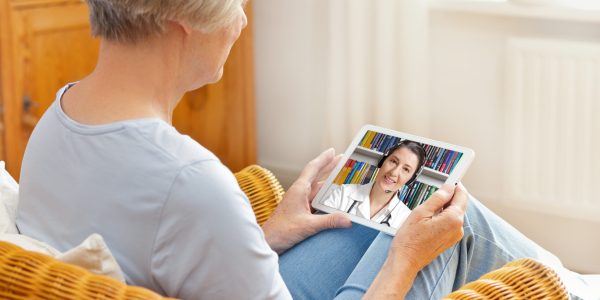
(343, 196)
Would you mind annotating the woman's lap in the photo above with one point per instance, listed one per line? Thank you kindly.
(316, 267)
(344, 262)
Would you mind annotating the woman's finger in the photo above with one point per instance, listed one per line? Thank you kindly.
(324, 173)
(316, 187)
(439, 199)
(459, 200)
(312, 169)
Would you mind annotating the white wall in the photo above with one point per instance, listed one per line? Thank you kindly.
(465, 104)
(467, 70)
(290, 47)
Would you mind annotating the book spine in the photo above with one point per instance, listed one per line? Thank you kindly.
(405, 199)
(383, 146)
(451, 162)
(456, 161)
(354, 172)
(438, 158)
(367, 176)
(349, 170)
(402, 193)
(411, 195)
(445, 160)
(369, 139)
(426, 194)
(427, 149)
(375, 140)
(359, 173)
(432, 157)
(393, 141)
(354, 168)
(384, 138)
(339, 178)
(419, 194)
(365, 137)
(433, 189)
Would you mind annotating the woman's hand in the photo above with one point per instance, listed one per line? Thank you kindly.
(432, 227)
(293, 221)
(429, 230)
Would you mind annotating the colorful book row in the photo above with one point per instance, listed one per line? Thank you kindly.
(441, 159)
(378, 141)
(437, 158)
(356, 172)
(415, 194)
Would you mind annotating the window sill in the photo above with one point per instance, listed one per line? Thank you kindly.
(508, 9)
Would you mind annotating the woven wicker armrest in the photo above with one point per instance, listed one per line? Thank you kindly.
(263, 190)
(520, 279)
(30, 275)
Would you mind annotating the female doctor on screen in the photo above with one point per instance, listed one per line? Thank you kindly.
(378, 200)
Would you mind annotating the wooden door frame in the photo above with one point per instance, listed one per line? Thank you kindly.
(11, 109)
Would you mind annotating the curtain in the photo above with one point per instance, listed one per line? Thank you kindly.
(376, 68)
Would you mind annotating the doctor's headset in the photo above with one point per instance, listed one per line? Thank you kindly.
(413, 146)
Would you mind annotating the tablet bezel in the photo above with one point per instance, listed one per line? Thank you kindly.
(454, 176)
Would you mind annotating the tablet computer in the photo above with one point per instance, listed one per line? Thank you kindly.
(384, 174)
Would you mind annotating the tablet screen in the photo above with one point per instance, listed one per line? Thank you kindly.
(386, 175)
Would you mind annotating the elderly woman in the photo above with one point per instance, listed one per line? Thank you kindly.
(104, 158)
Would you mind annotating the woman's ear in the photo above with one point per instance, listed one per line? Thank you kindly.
(183, 26)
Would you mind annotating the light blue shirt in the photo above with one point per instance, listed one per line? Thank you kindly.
(171, 213)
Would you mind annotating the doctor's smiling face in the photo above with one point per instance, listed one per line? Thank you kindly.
(397, 169)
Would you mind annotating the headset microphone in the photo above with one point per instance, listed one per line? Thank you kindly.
(387, 191)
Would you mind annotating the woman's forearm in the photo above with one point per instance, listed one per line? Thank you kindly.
(393, 281)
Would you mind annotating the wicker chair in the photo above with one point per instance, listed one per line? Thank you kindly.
(520, 279)
(262, 188)
(29, 275)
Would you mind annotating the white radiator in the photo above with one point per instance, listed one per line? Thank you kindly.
(552, 142)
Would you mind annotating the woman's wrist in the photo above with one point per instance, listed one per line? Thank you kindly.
(394, 279)
(402, 263)
(272, 237)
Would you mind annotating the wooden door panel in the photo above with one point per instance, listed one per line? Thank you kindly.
(45, 44)
(53, 46)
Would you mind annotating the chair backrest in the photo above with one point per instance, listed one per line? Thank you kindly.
(30, 275)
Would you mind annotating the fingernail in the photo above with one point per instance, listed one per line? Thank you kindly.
(329, 150)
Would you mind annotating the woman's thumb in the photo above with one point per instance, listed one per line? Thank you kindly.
(334, 220)
(440, 198)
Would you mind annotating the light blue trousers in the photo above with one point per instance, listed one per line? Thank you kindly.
(342, 263)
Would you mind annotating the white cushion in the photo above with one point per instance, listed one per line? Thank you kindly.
(92, 254)
(9, 199)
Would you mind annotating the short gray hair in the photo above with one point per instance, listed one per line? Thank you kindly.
(133, 20)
